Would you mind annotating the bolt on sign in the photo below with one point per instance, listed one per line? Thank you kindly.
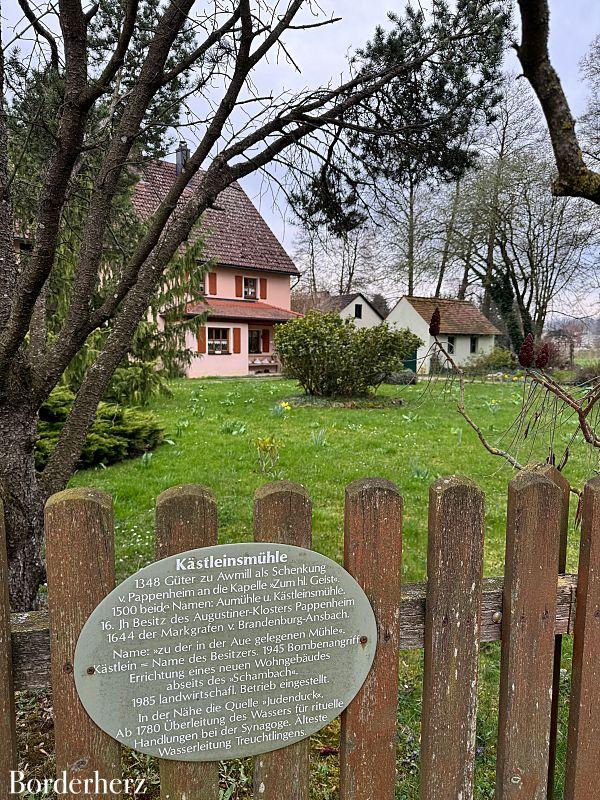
(225, 652)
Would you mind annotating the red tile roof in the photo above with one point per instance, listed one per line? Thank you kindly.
(456, 316)
(248, 310)
(236, 234)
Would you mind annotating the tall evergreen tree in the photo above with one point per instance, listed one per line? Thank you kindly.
(413, 131)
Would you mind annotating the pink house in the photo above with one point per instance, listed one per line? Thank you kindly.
(246, 294)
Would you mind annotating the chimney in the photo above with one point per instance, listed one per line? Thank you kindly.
(181, 156)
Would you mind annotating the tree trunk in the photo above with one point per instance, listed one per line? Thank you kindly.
(486, 305)
(312, 269)
(494, 218)
(448, 240)
(464, 283)
(537, 324)
(410, 261)
(23, 498)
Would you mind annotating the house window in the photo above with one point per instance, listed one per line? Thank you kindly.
(250, 288)
(218, 341)
(451, 343)
(254, 342)
(358, 310)
(473, 345)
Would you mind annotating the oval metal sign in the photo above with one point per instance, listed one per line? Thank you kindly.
(225, 652)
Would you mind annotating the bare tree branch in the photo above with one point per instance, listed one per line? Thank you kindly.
(42, 31)
(202, 49)
(582, 407)
(8, 266)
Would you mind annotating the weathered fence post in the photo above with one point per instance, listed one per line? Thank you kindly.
(186, 518)
(452, 622)
(283, 514)
(373, 555)
(81, 572)
(559, 479)
(529, 613)
(8, 740)
(582, 778)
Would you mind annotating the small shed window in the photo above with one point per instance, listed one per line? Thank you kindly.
(358, 310)
(474, 344)
(451, 343)
(218, 341)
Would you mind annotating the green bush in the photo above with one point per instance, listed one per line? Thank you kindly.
(500, 358)
(330, 356)
(117, 432)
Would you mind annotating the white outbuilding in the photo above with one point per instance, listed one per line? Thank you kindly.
(356, 307)
(465, 332)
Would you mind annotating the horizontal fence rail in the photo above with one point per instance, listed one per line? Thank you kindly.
(31, 644)
(528, 611)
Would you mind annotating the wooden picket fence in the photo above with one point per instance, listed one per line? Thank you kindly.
(529, 611)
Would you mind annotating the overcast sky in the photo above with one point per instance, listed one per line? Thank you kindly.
(321, 55)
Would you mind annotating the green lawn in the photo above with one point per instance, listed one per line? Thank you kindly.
(212, 427)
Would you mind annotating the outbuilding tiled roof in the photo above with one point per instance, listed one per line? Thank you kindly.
(456, 316)
(340, 301)
(249, 310)
(235, 232)
(325, 302)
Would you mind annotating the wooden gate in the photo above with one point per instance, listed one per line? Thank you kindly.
(528, 610)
